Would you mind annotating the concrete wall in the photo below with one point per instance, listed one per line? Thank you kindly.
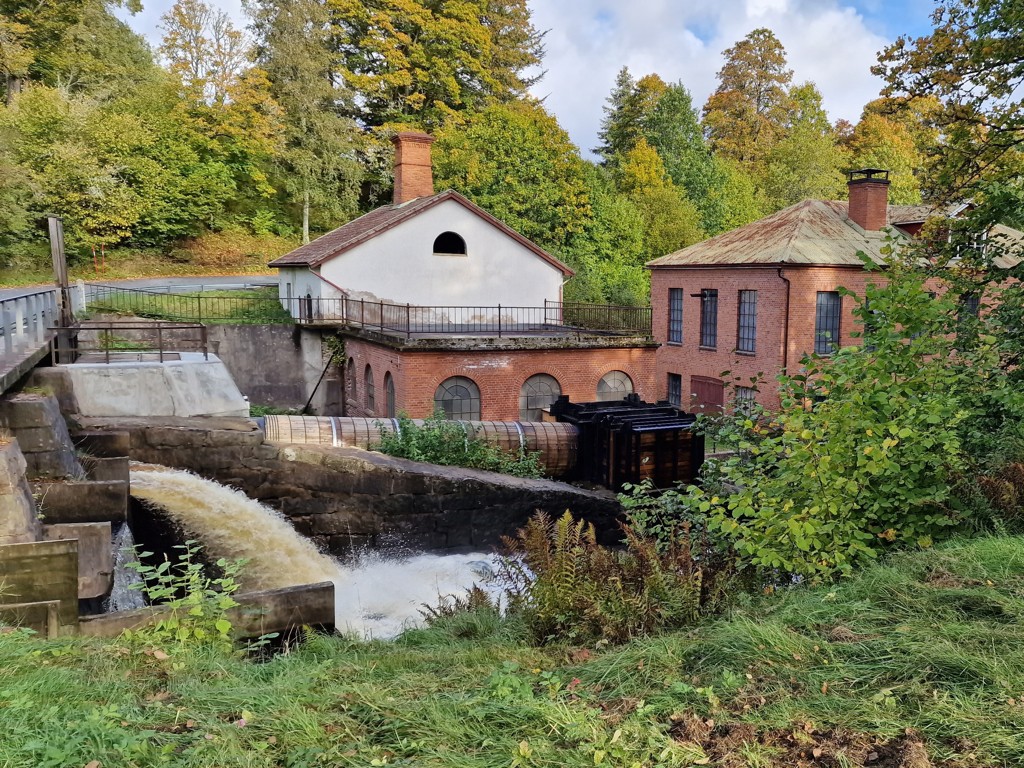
(191, 386)
(277, 365)
(399, 265)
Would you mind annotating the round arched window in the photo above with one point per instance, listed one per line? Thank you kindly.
(538, 392)
(614, 385)
(389, 395)
(368, 386)
(458, 398)
(450, 244)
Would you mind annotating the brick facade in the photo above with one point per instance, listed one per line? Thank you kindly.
(498, 373)
(414, 175)
(783, 337)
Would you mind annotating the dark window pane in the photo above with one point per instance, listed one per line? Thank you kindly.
(675, 315)
(746, 334)
(826, 322)
(368, 384)
(675, 390)
(537, 393)
(458, 398)
(709, 318)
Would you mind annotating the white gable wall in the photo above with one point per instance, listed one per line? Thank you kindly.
(399, 265)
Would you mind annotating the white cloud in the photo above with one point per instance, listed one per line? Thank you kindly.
(588, 41)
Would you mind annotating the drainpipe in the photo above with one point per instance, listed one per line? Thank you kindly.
(785, 325)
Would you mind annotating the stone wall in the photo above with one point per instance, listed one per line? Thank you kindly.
(19, 522)
(36, 421)
(277, 365)
(347, 498)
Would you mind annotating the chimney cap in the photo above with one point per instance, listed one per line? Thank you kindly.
(879, 175)
(414, 136)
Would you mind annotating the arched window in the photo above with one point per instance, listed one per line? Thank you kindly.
(389, 395)
(368, 385)
(538, 392)
(459, 398)
(614, 385)
(450, 244)
(350, 380)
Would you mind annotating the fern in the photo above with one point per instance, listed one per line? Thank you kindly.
(567, 586)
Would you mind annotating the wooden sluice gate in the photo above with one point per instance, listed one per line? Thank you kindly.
(608, 443)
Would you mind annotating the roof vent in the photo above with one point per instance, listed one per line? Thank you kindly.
(869, 197)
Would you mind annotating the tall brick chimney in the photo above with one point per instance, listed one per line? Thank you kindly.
(414, 176)
(869, 197)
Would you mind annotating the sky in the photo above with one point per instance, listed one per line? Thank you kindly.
(830, 42)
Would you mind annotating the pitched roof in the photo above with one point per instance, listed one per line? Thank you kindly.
(814, 232)
(379, 220)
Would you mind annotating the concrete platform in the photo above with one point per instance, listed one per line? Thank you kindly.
(193, 385)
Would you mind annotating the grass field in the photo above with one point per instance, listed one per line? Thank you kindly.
(916, 662)
(229, 306)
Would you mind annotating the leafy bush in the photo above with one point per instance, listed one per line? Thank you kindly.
(569, 587)
(440, 441)
(198, 603)
(867, 446)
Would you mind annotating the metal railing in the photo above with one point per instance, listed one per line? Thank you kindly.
(25, 321)
(258, 305)
(126, 341)
(384, 317)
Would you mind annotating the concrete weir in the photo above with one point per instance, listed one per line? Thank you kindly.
(191, 385)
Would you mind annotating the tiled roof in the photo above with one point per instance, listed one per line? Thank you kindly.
(369, 225)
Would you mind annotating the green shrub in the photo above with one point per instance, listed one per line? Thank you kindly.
(868, 446)
(198, 603)
(568, 587)
(440, 441)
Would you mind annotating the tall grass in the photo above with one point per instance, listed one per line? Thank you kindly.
(923, 653)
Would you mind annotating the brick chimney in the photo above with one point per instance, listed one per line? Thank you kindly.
(414, 176)
(869, 197)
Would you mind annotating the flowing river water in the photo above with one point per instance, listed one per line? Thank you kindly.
(377, 597)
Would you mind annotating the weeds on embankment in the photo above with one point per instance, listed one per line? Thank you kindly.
(917, 661)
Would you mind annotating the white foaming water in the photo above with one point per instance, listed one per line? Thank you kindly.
(378, 597)
(125, 594)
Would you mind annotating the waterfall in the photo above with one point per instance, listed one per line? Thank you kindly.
(377, 597)
(123, 595)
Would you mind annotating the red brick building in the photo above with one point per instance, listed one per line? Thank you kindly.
(443, 307)
(755, 300)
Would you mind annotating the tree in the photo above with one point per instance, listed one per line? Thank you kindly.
(674, 130)
(44, 41)
(317, 167)
(878, 142)
(806, 163)
(421, 62)
(516, 162)
(971, 65)
(629, 106)
(746, 114)
(204, 50)
(670, 220)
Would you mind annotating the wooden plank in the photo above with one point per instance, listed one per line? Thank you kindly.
(257, 613)
(42, 571)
